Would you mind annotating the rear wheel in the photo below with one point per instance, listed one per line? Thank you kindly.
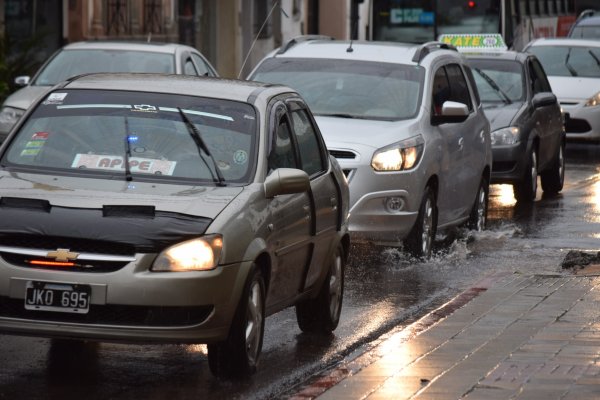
(238, 355)
(526, 189)
(478, 216)
(554, 179)
(420, 239)
(322, 314)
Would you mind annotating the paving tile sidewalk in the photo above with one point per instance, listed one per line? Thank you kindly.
(525, 337)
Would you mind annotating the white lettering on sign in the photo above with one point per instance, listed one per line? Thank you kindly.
(136, 164)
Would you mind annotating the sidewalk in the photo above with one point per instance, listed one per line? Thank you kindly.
(517, 337)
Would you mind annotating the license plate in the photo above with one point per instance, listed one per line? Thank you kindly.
(60, 297)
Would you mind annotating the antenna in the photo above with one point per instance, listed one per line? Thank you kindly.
(275, 3)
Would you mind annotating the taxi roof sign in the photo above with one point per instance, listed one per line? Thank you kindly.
(475, 42)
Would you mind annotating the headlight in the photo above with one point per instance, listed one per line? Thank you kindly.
(199, 254)
(593, 101)
(399, 156)
(9, 116)
(506, 136)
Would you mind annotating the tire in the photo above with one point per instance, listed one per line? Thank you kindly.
(525, 190)
(238, 354)
(322, 314)
(478, 217)
(553, 179)
(420, 239)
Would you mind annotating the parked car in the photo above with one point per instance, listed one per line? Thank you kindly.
(528, 136)
(587, 26)
(573, 69)
(98, 56)
(406, 126)
(162, 208)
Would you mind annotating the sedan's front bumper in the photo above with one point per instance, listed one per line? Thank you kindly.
(583, 123)
(509, 163)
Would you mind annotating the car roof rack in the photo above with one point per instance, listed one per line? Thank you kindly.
(429, 47)
(299, 39)
(585, 14)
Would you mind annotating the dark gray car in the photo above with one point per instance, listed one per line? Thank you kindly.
(528, 136)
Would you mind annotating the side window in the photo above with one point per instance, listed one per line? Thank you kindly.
(308, 143)
(441, 90)
(459, 90)
(282, 153)
(539, 82)
(188, 68)
(203, 69)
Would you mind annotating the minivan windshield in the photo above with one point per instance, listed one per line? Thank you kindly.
(352, 89)
(69, 63)
(499, 80)
(137, 136)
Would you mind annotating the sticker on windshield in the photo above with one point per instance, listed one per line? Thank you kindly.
(144, 108)
(35, 144)
(55, 98)
(116, 163)
(240, 157)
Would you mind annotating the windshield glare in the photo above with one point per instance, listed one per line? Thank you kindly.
(506, 75)
(569, 60)
(355, 89)
(94, 132)
(69, 63)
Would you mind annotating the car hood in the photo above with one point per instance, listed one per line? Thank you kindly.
(574, 87)
(23, 98)
(147, 216)
(500, 116)
(350, 133)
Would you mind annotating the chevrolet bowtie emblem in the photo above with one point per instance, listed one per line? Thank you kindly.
(62, 255)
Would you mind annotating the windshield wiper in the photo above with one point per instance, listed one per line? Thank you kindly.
(494, 86)
(195, 134)
(595, 58)
(128, 176)
(569, 66)
(340, 115)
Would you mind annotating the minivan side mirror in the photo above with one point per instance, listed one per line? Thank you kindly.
(543, 99)
(452, 112)
(286, 181)
(22, 80)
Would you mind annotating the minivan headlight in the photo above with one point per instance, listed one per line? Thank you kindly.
(399, 156)
(506, 136)
(199, 254)
(593, 101)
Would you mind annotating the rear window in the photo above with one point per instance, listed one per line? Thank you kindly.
(95, 133)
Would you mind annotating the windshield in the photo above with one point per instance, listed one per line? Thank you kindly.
(354, 89)
(499, 80)
(569, 60)
(586, 32)
(69, 63)
(94, 133)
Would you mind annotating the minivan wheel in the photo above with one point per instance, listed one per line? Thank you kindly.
(322, 314)
(420, 239)
(553, 179)
(525, 190)
(238, 354)
(478, 217)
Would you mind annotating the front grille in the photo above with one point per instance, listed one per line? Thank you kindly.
(112, 314)
(23, 260)
(73, 244)
(349, 155)
(576, 125)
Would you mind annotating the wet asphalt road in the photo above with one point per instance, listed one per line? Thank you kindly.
(384, 290)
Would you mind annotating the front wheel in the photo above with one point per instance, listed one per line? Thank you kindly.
(238, 354)
(322, 314)
(420, 239)
(554, 179)
(525, 190)
(478, 216)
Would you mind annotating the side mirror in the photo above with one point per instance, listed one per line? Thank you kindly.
(286, 181)
(452, 112)
(543, 99)
(22, 80)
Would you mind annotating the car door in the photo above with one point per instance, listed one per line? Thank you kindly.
(292, 215)
(325, 195)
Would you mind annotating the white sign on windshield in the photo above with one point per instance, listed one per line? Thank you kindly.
(116, 163)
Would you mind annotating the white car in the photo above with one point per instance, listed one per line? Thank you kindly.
(573, 68)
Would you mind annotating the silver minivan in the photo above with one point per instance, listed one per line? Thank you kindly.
(406, 125)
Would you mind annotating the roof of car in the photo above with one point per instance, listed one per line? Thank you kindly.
(504, 55)
(390, 52)
(564, 42)
(155, 47)
(174, 84)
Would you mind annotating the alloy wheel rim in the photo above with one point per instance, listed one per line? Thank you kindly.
(254, 318)
(427, 228)
(481, 209)
(335, 286)
(533, 173)
(561, 164)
